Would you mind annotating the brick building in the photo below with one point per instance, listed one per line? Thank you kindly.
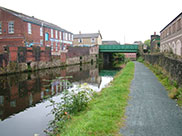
(21, 30)
(171, 36)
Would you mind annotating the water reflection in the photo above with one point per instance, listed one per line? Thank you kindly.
(23, 96)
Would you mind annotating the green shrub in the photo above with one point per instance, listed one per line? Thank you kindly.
(71, 102)
(140, 59)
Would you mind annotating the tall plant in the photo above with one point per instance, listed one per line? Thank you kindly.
(71, 102)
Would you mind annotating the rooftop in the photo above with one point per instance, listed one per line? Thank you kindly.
(89, 35)
(171, 21)
(110, 43)
(34, 20)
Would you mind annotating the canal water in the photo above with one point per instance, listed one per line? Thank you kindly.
(23, 97)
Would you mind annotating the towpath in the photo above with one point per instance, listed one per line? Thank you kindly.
(150, 111)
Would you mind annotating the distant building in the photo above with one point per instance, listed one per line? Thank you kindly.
(138, 42)
(110, 43)
(21, 30)
(171, 36)
(88, 39)
(155, 43)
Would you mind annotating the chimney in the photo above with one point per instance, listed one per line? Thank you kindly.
(154, 33)
(99, 31)
(79, 32)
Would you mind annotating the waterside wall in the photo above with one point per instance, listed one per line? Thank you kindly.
(15, 59)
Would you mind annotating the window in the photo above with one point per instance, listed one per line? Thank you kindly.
(170, 30)
(67, 36)
(52, 34)
(41, 31)
(60, 36)
(72, 37)
(0, 28)
(179, 25)
(92, 40)
(80, 40)
(41, 42)
(56, 34)
(174, 28)
(64, 36)
(46, 36)
(1, 100)
(52, 46)
(13, 103)
(167, 32)
(11, 27)
(29, 28)
(56, 46)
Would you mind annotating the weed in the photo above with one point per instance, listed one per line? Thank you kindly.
(71, 102)
(174, 92)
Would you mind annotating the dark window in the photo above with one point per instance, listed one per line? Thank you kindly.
(11, 27)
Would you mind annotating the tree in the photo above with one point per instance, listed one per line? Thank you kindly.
(147, 42)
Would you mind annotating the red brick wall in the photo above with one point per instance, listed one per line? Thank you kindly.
(130, 55)
(13, 53)
(63, 57)
(11, 39)
(35, 35)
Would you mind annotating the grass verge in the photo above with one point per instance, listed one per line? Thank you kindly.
(105, 113)
(174, 92)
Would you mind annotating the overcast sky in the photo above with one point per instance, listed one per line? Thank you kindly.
(132, 20)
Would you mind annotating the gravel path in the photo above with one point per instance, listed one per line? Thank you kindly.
(150, 112)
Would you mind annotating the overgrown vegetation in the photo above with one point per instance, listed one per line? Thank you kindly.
(174, 91)
(140, 59)
(119, 59)
(71, 102)
(104, 114)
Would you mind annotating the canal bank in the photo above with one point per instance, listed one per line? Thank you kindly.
(22, 59)
(23, 97)
(105, 113)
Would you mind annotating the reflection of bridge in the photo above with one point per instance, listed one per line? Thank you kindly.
(108, 72)
(119, 48)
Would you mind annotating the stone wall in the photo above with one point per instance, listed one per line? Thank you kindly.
(172, 66)
(20, 59)
(14, 67)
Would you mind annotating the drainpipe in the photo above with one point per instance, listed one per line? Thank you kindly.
(43, 34)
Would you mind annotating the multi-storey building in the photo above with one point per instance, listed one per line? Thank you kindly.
(171, 36)
(21, 30)
(90, 39)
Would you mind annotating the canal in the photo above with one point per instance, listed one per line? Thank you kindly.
(23, 97)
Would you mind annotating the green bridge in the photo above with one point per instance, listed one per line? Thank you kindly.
(128, 48)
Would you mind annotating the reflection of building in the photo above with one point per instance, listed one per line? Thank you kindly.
(22, 30)
(87, 39)
(27, 90)
(19, 93)
(171, 36)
